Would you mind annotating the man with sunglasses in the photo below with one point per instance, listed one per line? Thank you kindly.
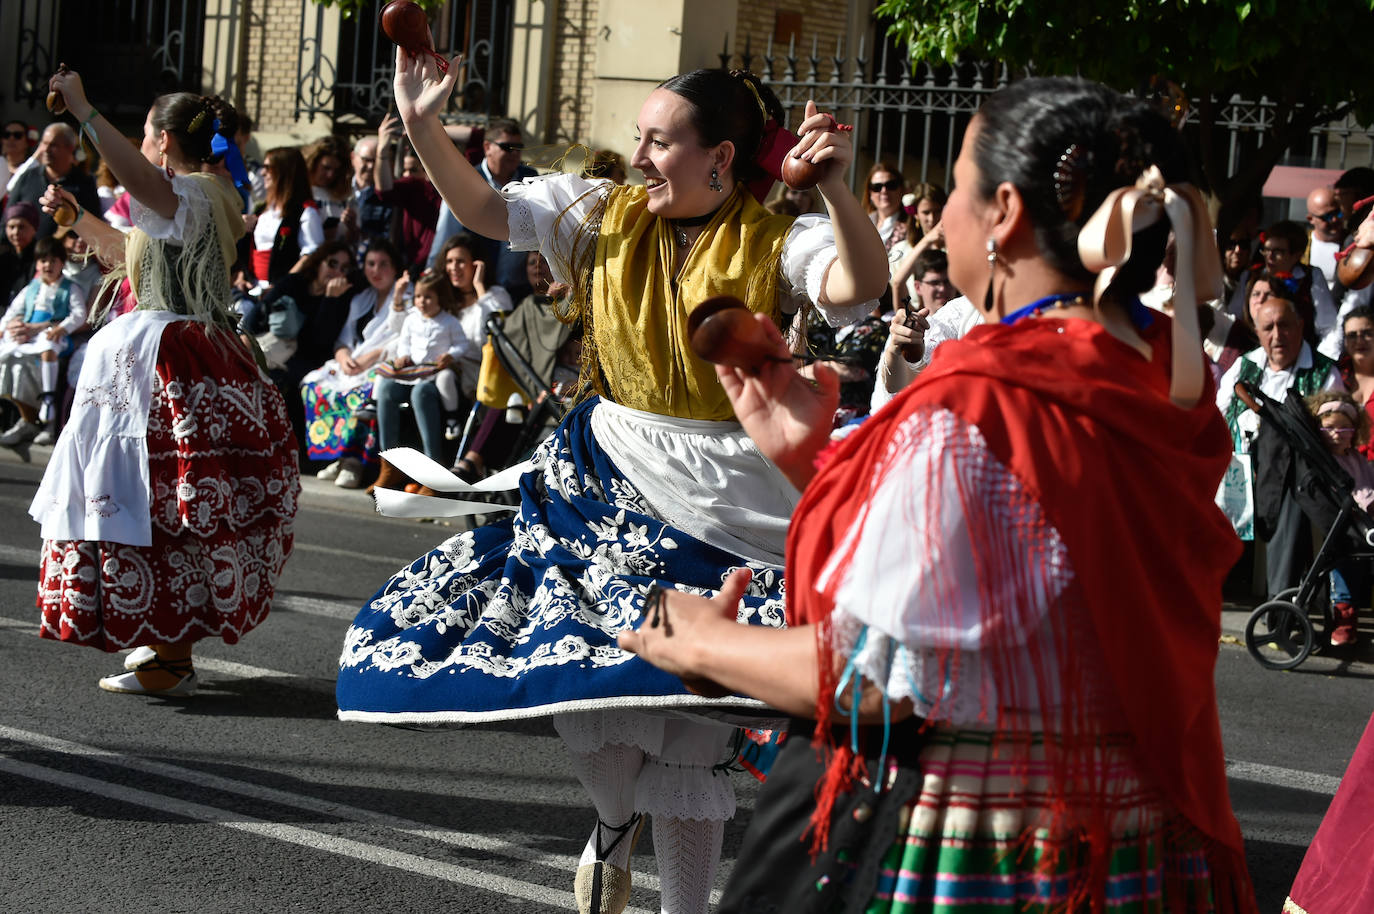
(502, 148)
(1329, 235)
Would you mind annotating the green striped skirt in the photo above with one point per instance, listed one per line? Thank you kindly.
(977, 838)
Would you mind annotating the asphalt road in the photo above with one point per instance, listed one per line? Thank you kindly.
(253, 797)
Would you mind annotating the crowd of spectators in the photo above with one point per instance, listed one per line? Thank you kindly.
(341, 236)
(344, 238)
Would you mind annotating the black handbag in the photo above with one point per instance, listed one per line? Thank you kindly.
(774, 871)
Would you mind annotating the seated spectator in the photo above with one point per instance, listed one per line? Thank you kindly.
(341, 420)
(937, 314)
(308, 307)
(502, 148)
(56, 161)
(412, 193)
(1237, 256)
(852, 352)
(1345, 427)
(1330, 234)
(16, 254)
(607, 164)
(460, 261)
(324, 163)
(14, 151)
(1357, 364)
(422, 372)
(1282, 246)
(1284, 361)
(367, 218)
(884, 189)
(38, 326)
(290, 228)
(545, 342)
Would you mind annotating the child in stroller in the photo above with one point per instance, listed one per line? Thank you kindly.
(1345, 427)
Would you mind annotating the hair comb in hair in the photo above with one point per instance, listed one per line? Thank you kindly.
(1071, 180)
(197, 122)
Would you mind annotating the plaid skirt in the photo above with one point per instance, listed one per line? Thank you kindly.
(976, 838)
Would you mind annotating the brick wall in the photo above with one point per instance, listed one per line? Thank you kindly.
(574, 68)
(822, 20)
(273, 52)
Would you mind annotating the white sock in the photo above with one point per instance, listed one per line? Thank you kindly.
(447, 382)
(609, 775)
(688, 852)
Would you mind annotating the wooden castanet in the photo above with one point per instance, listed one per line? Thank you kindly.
(406, 24)
(1356, 269)
(723, 331)
(800, 174)
(64, 215)
(56, 103)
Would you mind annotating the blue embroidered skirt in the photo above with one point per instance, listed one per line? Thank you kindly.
(519, 618)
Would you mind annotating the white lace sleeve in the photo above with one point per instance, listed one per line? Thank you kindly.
(807, 253)
(193, 215)
(534, 207)
(950, 556)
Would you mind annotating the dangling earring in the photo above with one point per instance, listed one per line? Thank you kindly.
(165, 167)
(992, 273)
(715, 181)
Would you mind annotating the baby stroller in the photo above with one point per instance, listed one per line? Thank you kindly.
(1279, 634)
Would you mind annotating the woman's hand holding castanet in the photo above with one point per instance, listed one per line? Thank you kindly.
(421, 90)
(788, 416)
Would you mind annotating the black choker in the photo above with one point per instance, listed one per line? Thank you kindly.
(692, 222)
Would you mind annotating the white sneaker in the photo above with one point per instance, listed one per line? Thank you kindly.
(20, 432)
(350, 475)
(330, 472)
(138, 656)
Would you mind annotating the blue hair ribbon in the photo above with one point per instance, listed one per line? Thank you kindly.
(233, 160)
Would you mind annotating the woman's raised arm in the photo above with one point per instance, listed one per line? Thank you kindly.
(421, 93)
(141, 178)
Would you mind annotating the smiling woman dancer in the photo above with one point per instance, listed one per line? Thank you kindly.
(652, 482)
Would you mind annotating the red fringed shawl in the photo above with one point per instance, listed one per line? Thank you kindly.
(1085, 423)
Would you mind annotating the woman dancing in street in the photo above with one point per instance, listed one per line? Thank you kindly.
(980, 563)
(652, 482)
(167, 507)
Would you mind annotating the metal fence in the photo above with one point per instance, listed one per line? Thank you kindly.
(351, 83)
(915, 119)
(143, 47)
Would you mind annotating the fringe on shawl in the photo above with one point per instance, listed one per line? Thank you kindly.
(1065, 679)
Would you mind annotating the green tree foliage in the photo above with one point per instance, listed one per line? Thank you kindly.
(1305, 56)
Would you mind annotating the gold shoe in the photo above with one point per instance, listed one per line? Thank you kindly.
(601, 887)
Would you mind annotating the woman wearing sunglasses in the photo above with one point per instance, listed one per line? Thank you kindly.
(14, 150)
(883, 202)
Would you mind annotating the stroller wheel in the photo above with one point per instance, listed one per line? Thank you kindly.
(1279, 635)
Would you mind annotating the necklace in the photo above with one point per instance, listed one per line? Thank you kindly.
(680, 226)
(1035, 308)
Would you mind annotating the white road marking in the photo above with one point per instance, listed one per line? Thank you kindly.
(559, 862)
(320, 841)
(1291, 778)
(353, 555)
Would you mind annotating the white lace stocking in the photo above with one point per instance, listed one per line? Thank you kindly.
(609, 775)
(688, 851)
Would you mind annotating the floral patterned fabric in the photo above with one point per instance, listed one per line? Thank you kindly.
(859, 346)
(519, 618)
(333, 425)
(224, 487)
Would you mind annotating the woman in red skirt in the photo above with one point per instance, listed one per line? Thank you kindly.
(167, 507)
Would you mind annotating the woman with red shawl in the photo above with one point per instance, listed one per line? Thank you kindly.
(1018, 561)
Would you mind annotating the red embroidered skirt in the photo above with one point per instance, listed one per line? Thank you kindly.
(224, 486)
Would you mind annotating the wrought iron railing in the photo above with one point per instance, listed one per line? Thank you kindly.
(351, 83)
(915, 119)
